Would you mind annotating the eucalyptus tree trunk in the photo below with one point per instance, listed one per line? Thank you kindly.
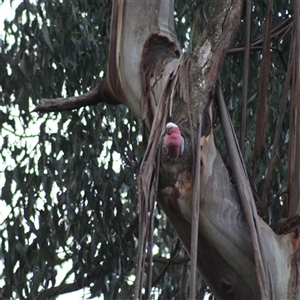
(148, 73)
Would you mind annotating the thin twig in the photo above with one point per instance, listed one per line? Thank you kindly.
(245, 77)
(169, 262)
(278, 127)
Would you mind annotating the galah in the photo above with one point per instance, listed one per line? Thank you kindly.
(173, 142)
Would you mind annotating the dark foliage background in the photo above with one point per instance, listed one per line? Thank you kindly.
(68, 180)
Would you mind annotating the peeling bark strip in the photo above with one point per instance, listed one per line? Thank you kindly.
(247, 200)
(294, 283)
(195, 211)
(150, 166)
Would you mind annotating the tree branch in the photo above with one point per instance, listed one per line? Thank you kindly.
(93, 97)
(64, 289)
(174, 261)
(215, 42)
(277, 35)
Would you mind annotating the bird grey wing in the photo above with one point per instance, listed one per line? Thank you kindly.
(164, 142)
(182, 146)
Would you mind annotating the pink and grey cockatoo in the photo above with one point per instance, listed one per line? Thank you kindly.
(173, 142)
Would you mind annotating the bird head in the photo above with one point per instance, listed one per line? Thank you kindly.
(170, 126)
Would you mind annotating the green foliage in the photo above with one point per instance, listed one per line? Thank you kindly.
(68, 180)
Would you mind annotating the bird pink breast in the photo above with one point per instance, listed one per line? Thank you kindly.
(173, 142)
